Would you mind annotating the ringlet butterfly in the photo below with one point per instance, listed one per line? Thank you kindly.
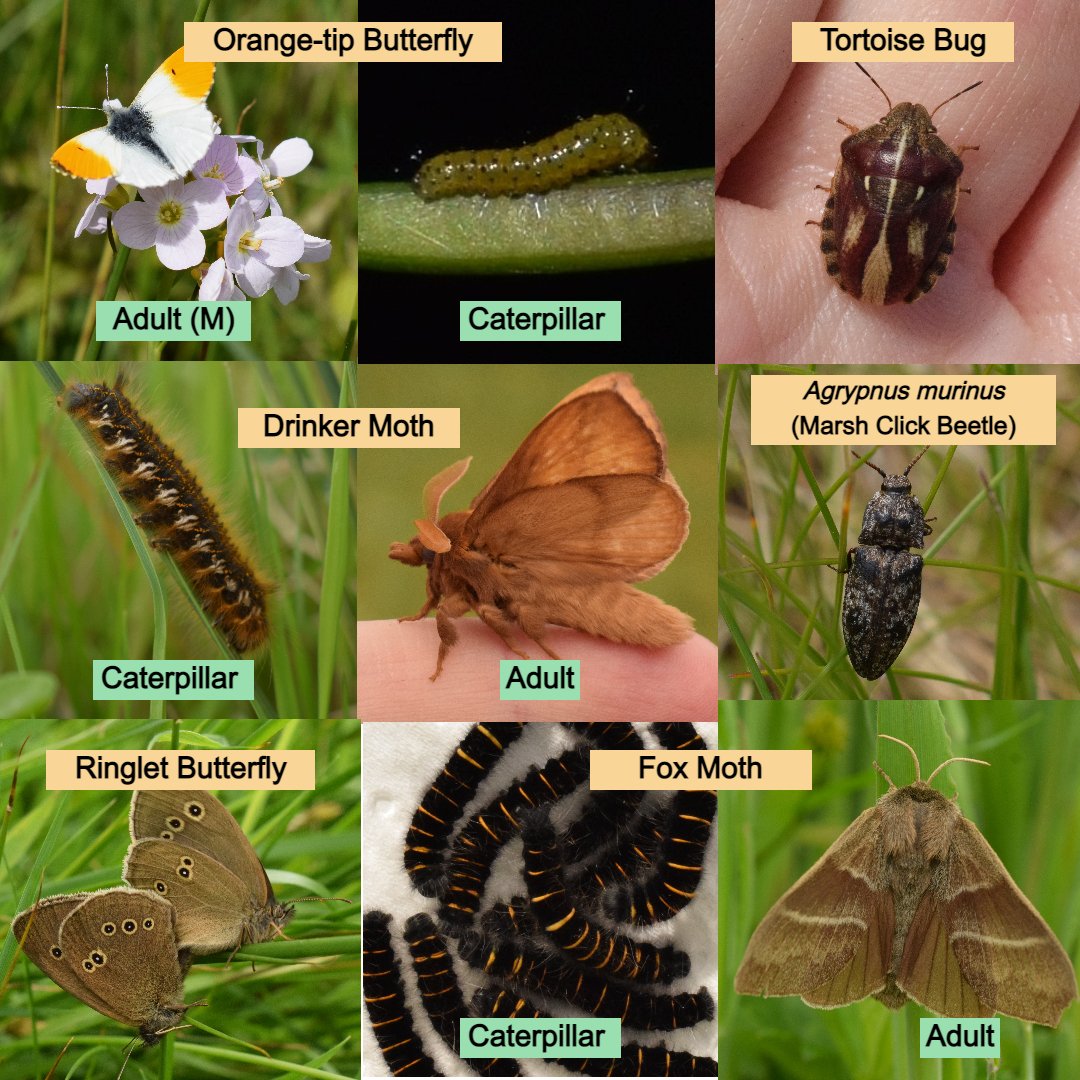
(115, 950)
(187, 848)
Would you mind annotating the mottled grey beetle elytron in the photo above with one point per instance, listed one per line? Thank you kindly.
(884, 579)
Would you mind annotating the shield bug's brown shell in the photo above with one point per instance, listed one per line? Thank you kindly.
(887, 232)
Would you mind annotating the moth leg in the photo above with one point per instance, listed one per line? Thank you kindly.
(497, 621)
(428, 605)
(450, 608)
(532, 626)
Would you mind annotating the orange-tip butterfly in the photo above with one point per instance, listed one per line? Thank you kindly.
(157, 138)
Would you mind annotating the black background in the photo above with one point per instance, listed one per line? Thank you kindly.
(652, 62)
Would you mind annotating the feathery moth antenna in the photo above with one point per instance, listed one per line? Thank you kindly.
(598, 144)
(674, 881)
(384, 996)
(559, 915)
(444, 802)
(474, 848)
(585, 507)
(169, 504)
(527, 966)
(636, 1060)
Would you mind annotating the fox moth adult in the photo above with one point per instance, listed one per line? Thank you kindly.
(911, 902)
(585, 506)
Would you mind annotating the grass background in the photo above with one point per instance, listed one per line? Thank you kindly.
(315, 101)
(302, 999)
(500, 404)
(71, 585)
(1000, 611)
(1026, 804)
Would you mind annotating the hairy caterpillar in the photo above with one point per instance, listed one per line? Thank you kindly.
(384, 996)
(170, 506)
(598, 144)
(444, 802)
(479, 842)
(584, 507)
(634, 853)
(440, 992)
(679, 860)
(607, 812)
(529, 967)
(636, 1060)
(559, 915)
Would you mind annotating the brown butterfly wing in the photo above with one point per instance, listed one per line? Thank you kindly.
(122, 943)
(215, 910)
(196, 819)
(604, 428)
(981, 947)
(828, 938)
(41, 924)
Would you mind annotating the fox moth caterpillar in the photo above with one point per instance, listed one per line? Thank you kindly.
(384, 997)
(598, 144)
(444, 802)
(636, 1060)
(169, 504)
(529, 967)
(585, 506)
(475, 848)
(910, 901)
(681, 855)
(560, 917)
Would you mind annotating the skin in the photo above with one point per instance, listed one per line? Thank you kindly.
(1012, 289)
(678, 683)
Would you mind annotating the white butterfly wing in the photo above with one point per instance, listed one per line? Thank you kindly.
(173, 97)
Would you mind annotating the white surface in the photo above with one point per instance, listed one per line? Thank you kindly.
(399, 762)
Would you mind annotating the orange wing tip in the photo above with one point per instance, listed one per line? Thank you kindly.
(75, 160)
(192, 80)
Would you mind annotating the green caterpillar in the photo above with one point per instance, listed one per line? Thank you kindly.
(598, 144)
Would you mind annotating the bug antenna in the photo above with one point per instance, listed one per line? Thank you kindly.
(879, 86)
(956, 95)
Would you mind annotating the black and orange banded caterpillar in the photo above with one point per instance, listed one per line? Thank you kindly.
(679, 860)
(384, 996)
(559, 914)
(480, 841)
(444, 802)
(529, 967)
(597, 144)
(636, 1060)
(169, 504)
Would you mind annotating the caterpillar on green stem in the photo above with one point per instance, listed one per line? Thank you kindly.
(598, 144)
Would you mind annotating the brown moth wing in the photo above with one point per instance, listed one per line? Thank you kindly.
(42, 945)
(1023, 973)
(619, 528)
(829, 937)
(596, 431)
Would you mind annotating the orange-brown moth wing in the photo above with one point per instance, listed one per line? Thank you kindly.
(984, 938)
(598, 430)
(617, 528)
(828, 938)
